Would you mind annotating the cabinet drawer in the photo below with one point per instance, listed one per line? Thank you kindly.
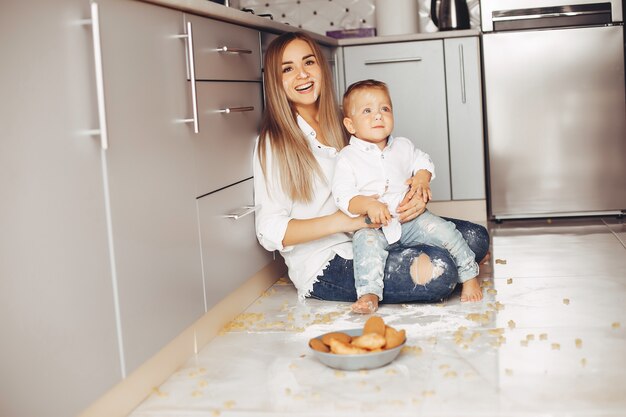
(230, 251)
(225, 144)
(241, 61)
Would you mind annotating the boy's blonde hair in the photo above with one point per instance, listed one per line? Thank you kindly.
(362, 85)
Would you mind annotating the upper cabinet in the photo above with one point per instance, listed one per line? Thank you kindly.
(436, 94)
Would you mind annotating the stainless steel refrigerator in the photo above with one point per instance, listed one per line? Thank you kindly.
(555, 107)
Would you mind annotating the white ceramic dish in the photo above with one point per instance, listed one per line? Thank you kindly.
(356, 362)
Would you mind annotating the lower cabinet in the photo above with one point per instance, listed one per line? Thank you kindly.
(151, 176)
(435, 87)
(229, 121)
(59, 348)
(230, 251)
(465, 118)
(415, 74)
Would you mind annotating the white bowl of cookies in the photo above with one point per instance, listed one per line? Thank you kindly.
(373, 346)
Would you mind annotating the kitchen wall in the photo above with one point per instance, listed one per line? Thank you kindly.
(324, 15)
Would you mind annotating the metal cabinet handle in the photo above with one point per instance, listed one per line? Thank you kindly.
(236, 109)
(245, 210)
(192, 78)
(393, 60)
(228, 50)
(462, 71)
(97, 54)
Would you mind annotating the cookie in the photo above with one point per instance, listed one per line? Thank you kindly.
(374, 324)
(394, 337)
(342, 337)
(341, 348)
(318, 345)
(369, 341)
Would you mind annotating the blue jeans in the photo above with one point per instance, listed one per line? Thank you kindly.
(371, 246)
(337, 281)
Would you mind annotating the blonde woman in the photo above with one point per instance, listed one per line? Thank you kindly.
(294, 163)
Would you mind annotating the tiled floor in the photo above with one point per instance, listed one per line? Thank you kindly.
(549, 339)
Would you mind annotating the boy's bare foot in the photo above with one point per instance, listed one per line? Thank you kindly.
(367, 304)
(471, 291)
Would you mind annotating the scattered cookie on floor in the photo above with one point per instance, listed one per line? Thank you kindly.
(566, 301)
(579, 343)
(501, 261)
(511, 324)
(556, 346)
(543, 336)
(509, 281)
(616, 325)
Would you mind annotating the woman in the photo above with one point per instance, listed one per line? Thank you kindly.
(293, 165)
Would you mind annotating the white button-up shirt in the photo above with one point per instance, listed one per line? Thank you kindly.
(363, 169)
(306, 260)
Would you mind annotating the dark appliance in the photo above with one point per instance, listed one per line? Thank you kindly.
(450, 14)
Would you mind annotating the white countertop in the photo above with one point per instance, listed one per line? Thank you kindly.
(220, 12)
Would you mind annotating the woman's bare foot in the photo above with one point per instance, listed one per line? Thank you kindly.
(367, 304)
(471, 291)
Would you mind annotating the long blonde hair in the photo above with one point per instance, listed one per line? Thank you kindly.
(297, 165)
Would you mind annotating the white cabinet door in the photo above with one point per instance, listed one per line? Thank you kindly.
(414, 72)
(465, 118)
(59, 345)
(231, 253)
(151, 175)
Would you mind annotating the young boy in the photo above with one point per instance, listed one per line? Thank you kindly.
(370, 179)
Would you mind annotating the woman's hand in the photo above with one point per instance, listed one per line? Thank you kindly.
(347, 224)
(410, 207)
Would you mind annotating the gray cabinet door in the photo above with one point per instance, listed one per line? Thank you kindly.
(59, 345)
(414, 72)
(231, 253)
(229, 121)
(465, 118)
(223, 51)
(151, 175)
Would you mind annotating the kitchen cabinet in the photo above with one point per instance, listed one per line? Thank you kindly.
(230, 251)
(223, 51)
(415, 74)
(229, 121)
(465, 118)
(59, 344)
(151, 175)
(436, 93)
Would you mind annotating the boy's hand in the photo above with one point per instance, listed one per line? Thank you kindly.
(419, 186)
(418, 183)
(378, 213)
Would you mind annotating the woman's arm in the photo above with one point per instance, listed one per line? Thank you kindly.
(277, 229)
(305, 230)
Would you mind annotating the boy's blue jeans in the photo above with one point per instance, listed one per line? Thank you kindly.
(371, 250)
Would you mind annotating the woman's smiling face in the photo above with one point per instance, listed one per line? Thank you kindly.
(302, 75)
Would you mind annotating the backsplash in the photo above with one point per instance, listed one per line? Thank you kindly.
(325, 15)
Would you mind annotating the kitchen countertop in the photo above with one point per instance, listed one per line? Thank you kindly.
(232, 15)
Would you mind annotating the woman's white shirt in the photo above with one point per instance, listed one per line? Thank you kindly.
(305, 261)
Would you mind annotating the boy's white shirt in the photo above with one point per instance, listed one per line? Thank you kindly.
(306, 261)
(363, 169)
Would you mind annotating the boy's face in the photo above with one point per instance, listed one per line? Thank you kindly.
(370, 116)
